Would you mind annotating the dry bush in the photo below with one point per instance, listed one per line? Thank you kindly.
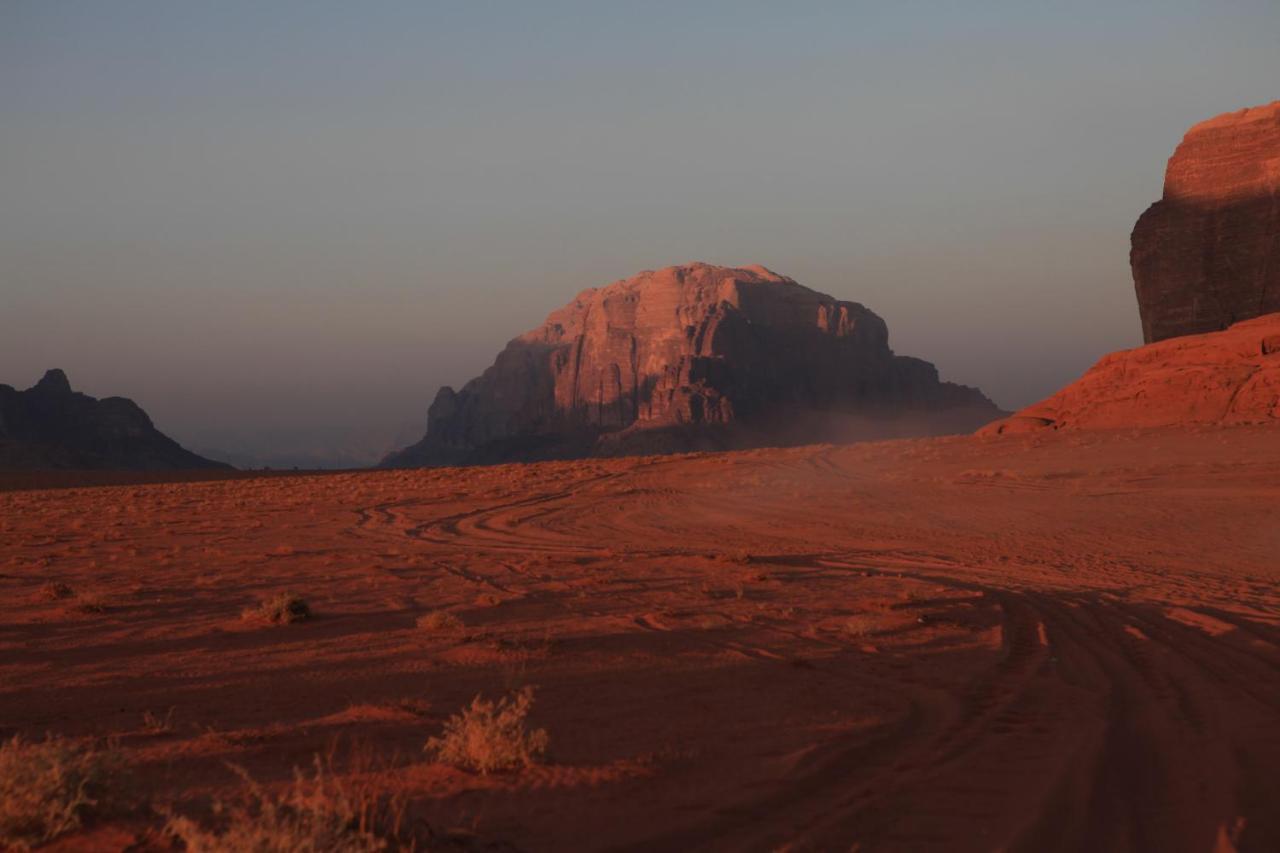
(491, 735)
(280, 609)
(152, 724)
(49, 787)
(439, 620)
(56, 591)
(864, 624)
(93, 602)
(316, 813)
(717, 593)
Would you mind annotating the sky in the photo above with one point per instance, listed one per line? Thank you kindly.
(279, 223)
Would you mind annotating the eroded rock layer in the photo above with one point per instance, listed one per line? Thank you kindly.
(1229, 377)
(692, 357)
(1207, 255)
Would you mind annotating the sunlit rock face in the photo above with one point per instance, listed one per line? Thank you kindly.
(1207, 255)
(1217, 378)
(692, 357)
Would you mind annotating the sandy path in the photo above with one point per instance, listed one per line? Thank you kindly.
(954, 644)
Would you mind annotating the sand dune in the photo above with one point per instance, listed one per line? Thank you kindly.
(1066, 642)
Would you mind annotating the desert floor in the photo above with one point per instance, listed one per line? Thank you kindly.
(1059, 643)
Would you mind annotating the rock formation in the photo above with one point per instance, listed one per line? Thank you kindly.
(692, 357)
(51, 426)
(1207, 255)
(1229, 377)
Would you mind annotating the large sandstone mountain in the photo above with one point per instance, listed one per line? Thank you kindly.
(692, 357)
(1229, 377)
(1207, 255)
(51, 426)
(1206, 266)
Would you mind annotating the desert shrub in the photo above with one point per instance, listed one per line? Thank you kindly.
(156, 725)
(439, 620)
(491, 736)
(863, 625)
(316, 813)
(90, 603)
(281, 608)
(48, 788)
(56, 591)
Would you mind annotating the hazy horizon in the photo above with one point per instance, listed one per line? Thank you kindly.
(303, 218)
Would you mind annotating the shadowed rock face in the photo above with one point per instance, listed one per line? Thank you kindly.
(1207, 255)
(51, 426)
(1229, 377)
(692, 357)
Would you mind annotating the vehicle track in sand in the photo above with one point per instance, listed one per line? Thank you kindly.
(1086, 735)
(1103, 725)
(939, 645)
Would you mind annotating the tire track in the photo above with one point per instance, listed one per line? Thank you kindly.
(1095, 740)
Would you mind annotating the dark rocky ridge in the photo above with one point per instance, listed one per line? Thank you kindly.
(696, 357)
(1207, 255)
(51, 426)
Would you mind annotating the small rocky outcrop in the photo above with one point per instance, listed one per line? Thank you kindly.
(50, 426)
(688, 358)
(1229, 377)
(1207, 255)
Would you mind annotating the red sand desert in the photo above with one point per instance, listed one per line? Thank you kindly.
(1050, 641)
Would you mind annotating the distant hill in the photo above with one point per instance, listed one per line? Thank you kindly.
(51, 426)
(307, 447)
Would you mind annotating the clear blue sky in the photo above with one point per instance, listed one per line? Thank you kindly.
(250, 215)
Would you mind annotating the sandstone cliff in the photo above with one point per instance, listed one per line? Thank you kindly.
(1208, 253)
(51, 426)
(1229, 377)
(692, 357)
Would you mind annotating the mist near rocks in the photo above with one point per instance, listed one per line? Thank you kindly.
(280, 228)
